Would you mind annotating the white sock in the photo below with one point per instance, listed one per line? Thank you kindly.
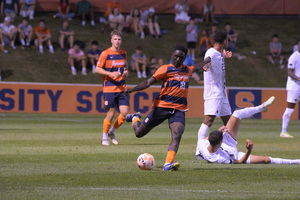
(51, 47)
(105, 136)
(279, 161)
(73, 68)
(202, 133)
(112, 130)
(41, 47)
(247, 112)
(94, 67)
(286, 119)
(23, 42)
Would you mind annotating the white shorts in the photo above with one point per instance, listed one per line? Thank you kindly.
(293, 96)
(217, 107)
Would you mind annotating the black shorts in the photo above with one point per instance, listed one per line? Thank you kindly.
(114, 100)
(159, 115)
(191, 45)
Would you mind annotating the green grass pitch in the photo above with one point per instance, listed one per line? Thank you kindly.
(61, 157)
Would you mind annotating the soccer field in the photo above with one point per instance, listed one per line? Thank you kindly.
(61, 157)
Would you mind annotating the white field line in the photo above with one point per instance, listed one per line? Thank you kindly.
(143, 189)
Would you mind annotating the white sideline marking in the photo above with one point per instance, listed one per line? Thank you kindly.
(147, 189)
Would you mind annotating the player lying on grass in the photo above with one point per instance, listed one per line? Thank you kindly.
(171, 103)
(220, 146)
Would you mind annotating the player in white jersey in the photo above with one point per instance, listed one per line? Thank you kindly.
(220, 146)
(293, 90)
(216, 102)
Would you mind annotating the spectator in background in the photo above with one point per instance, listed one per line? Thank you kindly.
(64, 10)
(25, 32)
(153, 65)
(214, 29)
(43, 35)
(27, 8)
(110, 7)
(191, 37)
(232, 37)
(139, 60)
(134, 21)
(275, 51)
(116, 20)
(9, 8)
(8, 33)
(66, 35)
(208, 12)
(93, 54)
(77, 59)
(206, 42)
(152, 24)
(181, 10)
(84, 8)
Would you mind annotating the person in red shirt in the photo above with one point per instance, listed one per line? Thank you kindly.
(112, 65)
(171, 103)
(64, 10)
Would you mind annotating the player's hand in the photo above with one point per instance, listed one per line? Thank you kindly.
(223, 129)
(127, 92)
(249, 144)
(227, 54)
(115, 74)
(125, 73)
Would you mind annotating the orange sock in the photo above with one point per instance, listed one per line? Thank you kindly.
(119, 121)
(106, 125)
(135, 120)
(170, 157)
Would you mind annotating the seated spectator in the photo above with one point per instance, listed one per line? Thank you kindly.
(206, 42)
(2, 48)
(8, 33)
(191, 37)
(275, 51)
(134, 21)
(66, 35)
(110, 7)
(43, 35)
(232, 37)
(181, 10)
(152, 24)
(27, 8)
(25, 32)
(214, 29)
(139, 60)
(9, 8)
(64, 10)
(153, 65)
(116, 20)
(208, 12)
(77, 59)
(84, 8)
(93, 54)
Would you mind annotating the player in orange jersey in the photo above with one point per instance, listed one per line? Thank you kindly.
(171, 104)
(112, 65)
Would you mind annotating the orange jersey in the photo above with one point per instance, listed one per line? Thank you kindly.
(113, 61)
(38, 30)
(175, 84)
(210, 42)
(112, 5)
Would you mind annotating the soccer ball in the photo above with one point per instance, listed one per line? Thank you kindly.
(145, 161)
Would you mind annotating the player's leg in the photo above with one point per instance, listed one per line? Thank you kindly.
(107, 124)
(292, 98)
(269, 160)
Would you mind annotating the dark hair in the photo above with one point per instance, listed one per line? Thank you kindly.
(181, 48)
(275, 36)
(25, 18)
(220, 36)
(215, 137)
(139, 13)
(95, 42)
(80, 44)
(207, 32)
(192, 18)
(139, 47)
(42, 21)
(227, 24)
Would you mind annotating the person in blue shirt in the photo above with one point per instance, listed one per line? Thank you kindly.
(94, 54)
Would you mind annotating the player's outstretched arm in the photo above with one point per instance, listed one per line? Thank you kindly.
(227, 54)
(141, 86)
(249, 146)
(202, 65)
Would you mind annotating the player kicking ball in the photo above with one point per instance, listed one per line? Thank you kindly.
(220, 146)
(171, 103)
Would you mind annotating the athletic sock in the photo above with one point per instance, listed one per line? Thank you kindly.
(119, 121)
(23, 42)
(105, 136)
(51, 48)
(247, 112)
(279, 161)
(202, 133)
(286, 119)
(170, 157)
(135, 119)
(106, 126)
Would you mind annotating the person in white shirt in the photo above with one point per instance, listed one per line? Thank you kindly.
(216, 102)
(293, 90)
(220, 146)
(8, 32)
(181, 12)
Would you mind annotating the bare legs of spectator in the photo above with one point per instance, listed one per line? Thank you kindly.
(116, 26)
(137, 67)
(154, 29)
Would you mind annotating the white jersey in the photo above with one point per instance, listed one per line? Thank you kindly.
(294, 63)
(214, 78)
(7, 29)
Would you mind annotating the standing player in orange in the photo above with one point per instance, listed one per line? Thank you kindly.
(171, 103)
(112, 65)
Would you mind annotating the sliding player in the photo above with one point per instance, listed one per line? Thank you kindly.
(220, 146)
(171, 103)
(112, 65)
(293, 90)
